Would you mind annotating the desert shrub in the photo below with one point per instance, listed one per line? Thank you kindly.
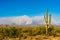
(51, 31)
(6, 32)
(57, 29)
(43, 30)
(36, 31)
(27, 31)
(13, 32)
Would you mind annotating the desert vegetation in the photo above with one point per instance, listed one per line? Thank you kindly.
(25, 32)
(38, 32)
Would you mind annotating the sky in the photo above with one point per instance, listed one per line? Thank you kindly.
(30, 8)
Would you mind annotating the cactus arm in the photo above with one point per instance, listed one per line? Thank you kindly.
(44, 18)
(49, 19)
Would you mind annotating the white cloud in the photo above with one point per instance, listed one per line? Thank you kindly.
(24, 20)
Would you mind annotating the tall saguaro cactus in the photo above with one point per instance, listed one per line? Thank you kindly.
(47, 19)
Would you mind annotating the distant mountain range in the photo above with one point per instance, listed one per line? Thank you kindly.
(26, 20)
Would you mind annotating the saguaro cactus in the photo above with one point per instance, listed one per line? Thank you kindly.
(47, 19)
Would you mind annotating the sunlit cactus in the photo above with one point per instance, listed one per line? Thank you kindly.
(47, 19)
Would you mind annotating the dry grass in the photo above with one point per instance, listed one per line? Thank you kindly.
(42, 38)
(36, 38)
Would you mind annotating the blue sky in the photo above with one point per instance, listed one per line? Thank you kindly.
(10, 8)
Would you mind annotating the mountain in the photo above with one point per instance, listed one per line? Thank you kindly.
(25, 20)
